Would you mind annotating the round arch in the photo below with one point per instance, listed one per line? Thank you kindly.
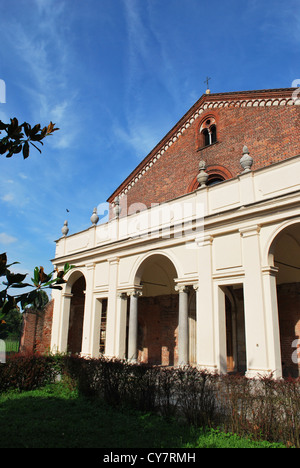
(158, 309)
(75, 305)
(272, 240)
(72, 277)
(140, 264)
(215, 172)
(283, 253)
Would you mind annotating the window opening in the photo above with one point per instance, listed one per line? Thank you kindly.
(214, 180)
(208, 131)
(103, 326)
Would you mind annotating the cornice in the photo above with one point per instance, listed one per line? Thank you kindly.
(242, 99)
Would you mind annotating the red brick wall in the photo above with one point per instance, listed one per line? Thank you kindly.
(271, 134)
(36, 331)
(158, 330)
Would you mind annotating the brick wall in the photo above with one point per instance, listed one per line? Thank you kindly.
(36, 330)
(266, 121)
(271, 134)
(158, 330)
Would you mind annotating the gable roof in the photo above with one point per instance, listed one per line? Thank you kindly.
(255, 98)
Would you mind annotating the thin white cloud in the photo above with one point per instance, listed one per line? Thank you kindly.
(6, 239)
(9, 197)
(46, 53)
(141, 138)
(151, 68)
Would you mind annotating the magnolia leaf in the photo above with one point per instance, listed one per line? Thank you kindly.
(9, 304)
(26, 150)
(14, 277)
(3, 264)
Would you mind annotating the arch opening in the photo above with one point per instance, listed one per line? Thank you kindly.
(158, 313)
(284, 254)
(76, 316)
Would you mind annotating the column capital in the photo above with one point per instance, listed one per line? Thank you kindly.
(181, 288)
(137, 292)
(122, 295)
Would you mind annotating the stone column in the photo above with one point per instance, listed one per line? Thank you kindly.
(133, 325)
(183, 326)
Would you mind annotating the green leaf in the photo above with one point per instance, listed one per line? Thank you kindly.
(14, 278)
(3, 264)
(17, 149)
(35, 129)
(9, 304)
(26, 150)
(27, 128)
(36, 146)
(36, 276)
(3, 126)
(20, 285)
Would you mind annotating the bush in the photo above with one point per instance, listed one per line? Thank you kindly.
(262, 409)
(27, 372)
(197, 396)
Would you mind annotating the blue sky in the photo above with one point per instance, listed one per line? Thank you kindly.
(115, 76)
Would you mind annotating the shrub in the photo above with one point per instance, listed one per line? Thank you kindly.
(262, 409)
(197, 396)
(27, 372)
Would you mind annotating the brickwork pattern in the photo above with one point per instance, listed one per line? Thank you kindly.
(158, 330)
(271, 134)
(36, 330)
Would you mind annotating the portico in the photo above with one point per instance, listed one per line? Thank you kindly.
(198, 290)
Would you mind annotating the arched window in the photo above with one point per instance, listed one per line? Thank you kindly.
(213, 131)
(216, 174)
(208, 132)
(214, 179)
(206, 135)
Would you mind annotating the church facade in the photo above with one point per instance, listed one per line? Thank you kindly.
(199, 262)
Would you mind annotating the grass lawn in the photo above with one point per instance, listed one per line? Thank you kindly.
(54, 417)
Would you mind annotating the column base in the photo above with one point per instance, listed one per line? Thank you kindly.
(260, 373)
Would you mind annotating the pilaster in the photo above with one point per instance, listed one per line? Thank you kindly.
(86, 349)
(110, 348)
(255, 317)
(205, 305)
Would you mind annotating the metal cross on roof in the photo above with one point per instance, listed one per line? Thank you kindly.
(207, 82)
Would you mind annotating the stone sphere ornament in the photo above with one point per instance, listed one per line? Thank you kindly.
(94, 217)
(202, 177)
(246, 161)
(65, 229)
